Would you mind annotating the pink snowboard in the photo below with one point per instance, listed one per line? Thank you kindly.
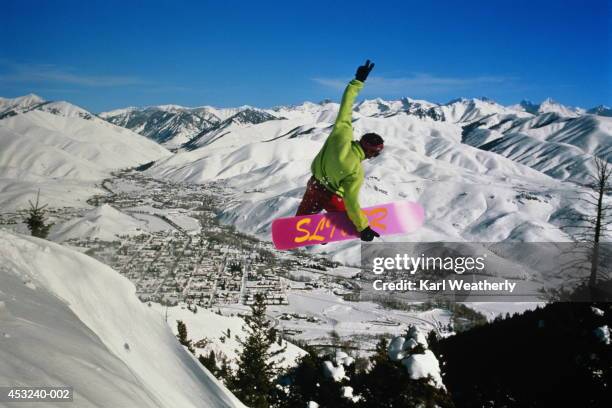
(386, 219)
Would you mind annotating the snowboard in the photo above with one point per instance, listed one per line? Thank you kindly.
(386, 219)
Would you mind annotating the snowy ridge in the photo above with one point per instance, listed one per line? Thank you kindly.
(469, 192)
(601, 110)
(123, 332)
(547, 106)
(174, 126)
(177, 126)
(11, 106)
(469, 110)
(104, 223)
(41, 149)
(561, 147)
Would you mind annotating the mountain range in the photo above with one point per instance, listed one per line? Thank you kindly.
(63, 151)
(176, 126)
(482, 170)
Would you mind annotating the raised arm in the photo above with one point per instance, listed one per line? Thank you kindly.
(350, 94)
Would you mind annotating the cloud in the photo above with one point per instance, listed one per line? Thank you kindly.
(49, 73)
(422, 84)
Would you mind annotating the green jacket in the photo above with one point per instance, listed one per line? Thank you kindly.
(338, 164)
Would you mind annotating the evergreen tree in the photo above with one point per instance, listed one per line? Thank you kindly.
(308, 382)
(36, 219)
(224, 371)
(387, 384)
(182, 336)
(253, 382)
(210, 362)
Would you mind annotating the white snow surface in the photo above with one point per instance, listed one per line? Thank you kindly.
(400, 347)
(422, 366)
(104, 222)
(20, 103)
(347, 392)
(206, 324)
(62, 307)
(64, 156)
(418, 365)
(42, 144)
(344, 359)
(334, 372)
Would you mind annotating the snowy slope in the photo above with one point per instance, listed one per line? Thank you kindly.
(98, 145)
(175, 125)
(169, 125)
(559, 146)
(66, 319)
(469, 110)
(550, 105)
(64, 152)
(469, 193)
(547, 106)
(27, 103)
(208, 325)
(15, 192)
(104, 223)
(601, 110)
(13, 106)
(482, 171)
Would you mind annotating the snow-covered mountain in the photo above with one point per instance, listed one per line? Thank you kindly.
(560, 146)
(13, 106)
(547, 106)
(41, 144)
(168, 125)
(240, 120)
(468, 110)
(174, 125)
(470, 162)
(601, 110)
(66, 319)
(103, 222)
(27, 103)
(63, 150)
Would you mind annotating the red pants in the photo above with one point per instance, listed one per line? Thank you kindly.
(318, 198)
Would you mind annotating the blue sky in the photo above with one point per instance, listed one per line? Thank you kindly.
(105, 54)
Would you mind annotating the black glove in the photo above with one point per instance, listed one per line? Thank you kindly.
(363, 71)
(368, 234)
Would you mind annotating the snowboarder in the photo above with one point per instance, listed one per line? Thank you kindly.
(337, 174)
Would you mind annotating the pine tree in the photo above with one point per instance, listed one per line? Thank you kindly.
(253, 382)
(379, 391)
(210, 362)
(182, 336)
(36, 219)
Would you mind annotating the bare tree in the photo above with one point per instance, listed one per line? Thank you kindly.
(592, 229)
